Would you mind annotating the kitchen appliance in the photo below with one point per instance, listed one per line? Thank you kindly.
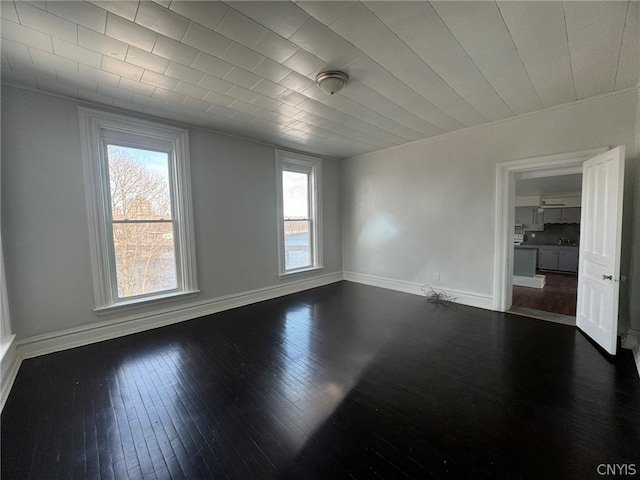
(518, 234)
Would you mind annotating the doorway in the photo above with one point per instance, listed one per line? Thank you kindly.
(546, 246)
(508, 173)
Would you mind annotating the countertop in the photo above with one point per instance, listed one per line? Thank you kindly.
(564, 246)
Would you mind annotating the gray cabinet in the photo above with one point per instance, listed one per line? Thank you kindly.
(571, 215)
(568, 260)
(560, 258)
(529, 218)
(552, 215)
(562, 215)
(547, 259)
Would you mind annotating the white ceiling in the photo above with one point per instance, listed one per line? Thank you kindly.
(417, 69)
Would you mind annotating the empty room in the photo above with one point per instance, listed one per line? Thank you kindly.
(320, 239)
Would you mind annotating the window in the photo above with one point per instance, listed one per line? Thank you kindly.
(299, 229)
(138, 188)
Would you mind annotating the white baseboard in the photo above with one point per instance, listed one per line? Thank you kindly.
(465, 298)
(9, 365)
(534, 282)
(631, 340)
(75, 337)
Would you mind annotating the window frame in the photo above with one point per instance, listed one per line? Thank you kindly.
(98, 129)
(296, 162)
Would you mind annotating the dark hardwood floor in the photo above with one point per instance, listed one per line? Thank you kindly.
(559, 295)
(343, 381)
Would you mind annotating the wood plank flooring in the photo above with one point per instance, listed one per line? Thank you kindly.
(559, 295)
(342, 381)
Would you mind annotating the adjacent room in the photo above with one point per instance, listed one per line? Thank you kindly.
(319, 239)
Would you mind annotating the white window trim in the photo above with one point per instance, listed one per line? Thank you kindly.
(313, 166)
(94, 126)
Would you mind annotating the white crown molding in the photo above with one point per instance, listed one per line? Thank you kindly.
(471, 299)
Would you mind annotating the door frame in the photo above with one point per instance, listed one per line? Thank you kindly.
(506, 172)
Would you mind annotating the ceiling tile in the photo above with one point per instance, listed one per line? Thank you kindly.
(158, 80)
(241, 93)
(197, 104)
(74, 52)
(269, 88)
(136, 87)
(26, 36)
(53, 61)
(400, 18)
(130, 33)
(115, 92)
(162, 20)
(539, 33)
(283, 18)
(216, 84)
(101, 43)
(271, 70)
(314, 36)
(242, 56)
(146, 60)
(191, 90)
(241, 28)
(275, 47)
(481, 31)
(8, 12)
(206, 40)
(98, 75)
(122, 8)
(326, 12)
(629, 61)
(82, 13)
(121, 68)
(212, 65)
(216, 98)
(241, 77)
(208, 14)
(47, 23)
(179, 71)
(304, 63)
(173, 50)
(168, 96)
(594, 44)
(432, 41)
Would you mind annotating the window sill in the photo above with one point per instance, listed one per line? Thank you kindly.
(302, 270)
(150, 301)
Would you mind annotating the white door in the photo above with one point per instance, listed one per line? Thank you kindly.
(600, 234)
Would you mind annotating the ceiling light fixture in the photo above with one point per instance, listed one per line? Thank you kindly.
(331, 82)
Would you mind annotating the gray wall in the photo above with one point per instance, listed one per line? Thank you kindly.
(429, 206)
(44, 218)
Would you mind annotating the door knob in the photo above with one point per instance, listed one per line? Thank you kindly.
(607, 277)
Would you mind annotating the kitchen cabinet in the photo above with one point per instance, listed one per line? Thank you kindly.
(529, 218)
(571, 215)
(568, 260)
(561, 258)
(552, 215)
(562, 215)
(547, 259)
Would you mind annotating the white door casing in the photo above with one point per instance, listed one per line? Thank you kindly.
(600, 244)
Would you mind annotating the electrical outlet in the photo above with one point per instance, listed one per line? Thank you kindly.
(533, 235)
(436, 276)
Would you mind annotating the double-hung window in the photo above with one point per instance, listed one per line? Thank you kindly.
(139, 205)
(299, 231)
